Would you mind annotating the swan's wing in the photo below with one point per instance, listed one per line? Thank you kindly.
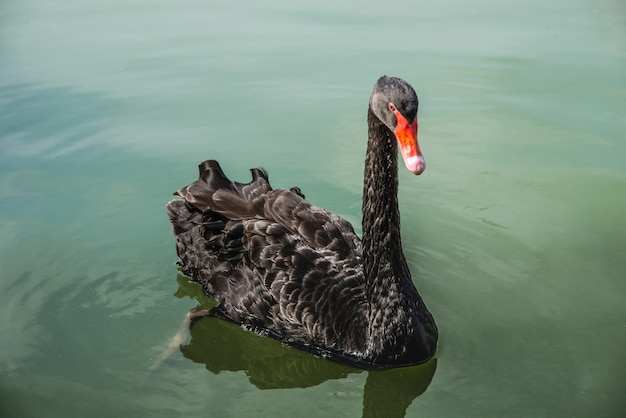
(272, 259)
(322, 230)
(214, 191)
(256, 200)
(316, 291)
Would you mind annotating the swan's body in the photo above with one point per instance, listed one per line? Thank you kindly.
(279, 265)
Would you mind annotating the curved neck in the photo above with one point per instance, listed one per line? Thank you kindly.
(400, 328)
(383, 259)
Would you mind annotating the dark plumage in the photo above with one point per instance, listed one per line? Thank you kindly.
(279, 265)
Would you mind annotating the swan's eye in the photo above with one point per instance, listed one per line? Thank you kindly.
(392, 107)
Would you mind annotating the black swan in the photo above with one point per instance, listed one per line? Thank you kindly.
(283, 267)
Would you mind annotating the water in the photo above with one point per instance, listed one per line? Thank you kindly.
(515, 234)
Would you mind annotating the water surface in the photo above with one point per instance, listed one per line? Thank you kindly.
(515, 234)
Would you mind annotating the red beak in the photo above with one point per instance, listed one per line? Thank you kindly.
(406, 133)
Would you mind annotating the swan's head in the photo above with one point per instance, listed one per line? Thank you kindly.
(394, 102)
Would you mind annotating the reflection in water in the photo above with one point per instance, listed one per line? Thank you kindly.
(269, 364)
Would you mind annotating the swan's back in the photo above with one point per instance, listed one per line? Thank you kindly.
(274, 262)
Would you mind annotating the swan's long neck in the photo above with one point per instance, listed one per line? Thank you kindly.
(393, 301)
(382, 247)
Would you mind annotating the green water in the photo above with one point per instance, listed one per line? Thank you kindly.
(516, 232)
